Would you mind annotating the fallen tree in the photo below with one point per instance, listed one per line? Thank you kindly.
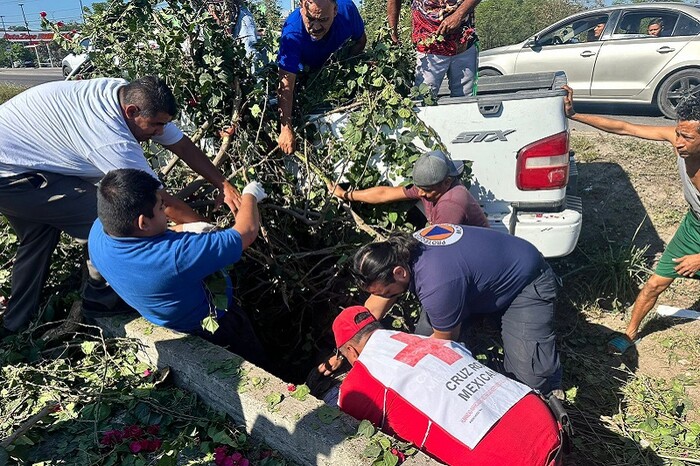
(294, 278)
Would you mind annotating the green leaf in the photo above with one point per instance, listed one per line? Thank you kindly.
(87, 347)
(210, 324)
(390, 459)
(366, 429)
(393, 217)
(221, 437)
(301, 392)
(373, 450)
(327, 414)
(273, 399)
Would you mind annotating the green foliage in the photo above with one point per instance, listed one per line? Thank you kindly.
(657, 416)
(105, 402)
(298, 266)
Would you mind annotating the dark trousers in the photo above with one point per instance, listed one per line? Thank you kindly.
(236, 334)
(39, 206)
(527, 330)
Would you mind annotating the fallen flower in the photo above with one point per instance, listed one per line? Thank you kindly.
(147, 373)
(291, 387)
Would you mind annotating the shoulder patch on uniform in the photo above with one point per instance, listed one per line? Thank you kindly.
(442, 234)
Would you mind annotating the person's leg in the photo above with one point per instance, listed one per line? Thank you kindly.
(529, 342)
(431, 69)
(646, 299)
(36, 244)
(462, 73)
(49, 203)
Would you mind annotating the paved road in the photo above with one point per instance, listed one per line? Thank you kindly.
(29, 76)
(640, 114)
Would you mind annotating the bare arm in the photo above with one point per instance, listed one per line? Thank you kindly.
(178, 211)
(248, 220)
(451, 334)
(285, 96)
(393, 8)
(454, 21)
(623, 128)
(379, 306)
(186, 150)
(376, 195)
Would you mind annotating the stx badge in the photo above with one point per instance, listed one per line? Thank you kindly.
(482, 136)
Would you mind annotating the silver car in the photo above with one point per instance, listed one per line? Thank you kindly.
(642, 53)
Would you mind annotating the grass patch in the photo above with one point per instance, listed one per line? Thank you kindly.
(8, 91)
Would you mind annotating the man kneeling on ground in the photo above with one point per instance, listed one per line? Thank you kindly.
(433, 393)
(161, 273)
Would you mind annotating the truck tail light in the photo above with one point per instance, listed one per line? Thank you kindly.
(544, 164)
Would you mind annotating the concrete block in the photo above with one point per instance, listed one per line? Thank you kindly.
(308, 432)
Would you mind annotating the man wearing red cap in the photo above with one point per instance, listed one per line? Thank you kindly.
(433, 393)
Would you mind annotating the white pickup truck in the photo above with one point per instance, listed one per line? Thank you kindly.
(516, 134)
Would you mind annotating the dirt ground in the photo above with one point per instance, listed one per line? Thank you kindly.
(631, 195)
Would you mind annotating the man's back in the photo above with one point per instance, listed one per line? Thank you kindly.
(461, 396)
(162, 276)
(70, 128)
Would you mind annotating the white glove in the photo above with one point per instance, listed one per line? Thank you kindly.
(197, 227)
(256, 189)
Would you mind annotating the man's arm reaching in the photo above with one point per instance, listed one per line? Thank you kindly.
(376, 195)
(623, 128)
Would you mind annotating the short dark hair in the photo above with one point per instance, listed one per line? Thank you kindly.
(367, 329)
(658, 21)
(151, 95)
(122, 196)
(375, 262)
(688, 108)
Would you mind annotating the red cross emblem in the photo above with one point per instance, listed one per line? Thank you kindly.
(418, 348)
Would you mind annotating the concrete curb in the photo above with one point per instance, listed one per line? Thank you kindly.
(308, 432)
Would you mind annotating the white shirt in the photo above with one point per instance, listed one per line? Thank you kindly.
(73, 128)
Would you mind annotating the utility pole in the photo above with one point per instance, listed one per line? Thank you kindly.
(29, 33)
(82, 10)
(4, 31)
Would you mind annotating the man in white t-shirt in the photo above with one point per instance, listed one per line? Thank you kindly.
(57, 140)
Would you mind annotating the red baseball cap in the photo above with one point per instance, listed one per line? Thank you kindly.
(349, 322)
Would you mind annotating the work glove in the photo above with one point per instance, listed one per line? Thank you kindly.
(198, 227)
(256, 189)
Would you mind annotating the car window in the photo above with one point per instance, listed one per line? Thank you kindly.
(645, 23)
(582, 29)
(686, 26)
(85, 43)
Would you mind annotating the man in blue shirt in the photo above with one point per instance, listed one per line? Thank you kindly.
(456, 271)
(310, 35)
(160, 272)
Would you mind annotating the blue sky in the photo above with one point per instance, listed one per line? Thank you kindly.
(57, 10)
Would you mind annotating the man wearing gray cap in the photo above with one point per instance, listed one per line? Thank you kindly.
(436, 182)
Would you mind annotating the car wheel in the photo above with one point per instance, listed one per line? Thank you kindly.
(675, 88)
(66, 71)
(489, 72)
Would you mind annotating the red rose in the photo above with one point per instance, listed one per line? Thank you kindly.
(135, 447)
(133, 432)
(156, 444)
(60, 24)
(291, 387)
(192, 102)
(153, 430)
(42, 14)
(399, 454)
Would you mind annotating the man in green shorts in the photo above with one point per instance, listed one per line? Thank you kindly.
(682, 255)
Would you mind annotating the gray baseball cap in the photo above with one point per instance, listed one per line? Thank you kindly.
(433, 167)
